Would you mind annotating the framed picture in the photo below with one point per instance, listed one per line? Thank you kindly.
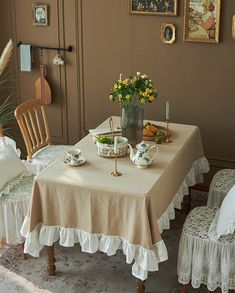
(168, 33)
(40, 14)
(153, 7)
(202, 20)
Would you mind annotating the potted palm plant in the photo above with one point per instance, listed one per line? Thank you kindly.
(6, 103)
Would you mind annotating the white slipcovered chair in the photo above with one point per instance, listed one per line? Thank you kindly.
(221, 183)
(32, 120)
(207, 247)
(16, 182)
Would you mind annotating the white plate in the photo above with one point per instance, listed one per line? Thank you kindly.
(78, 163)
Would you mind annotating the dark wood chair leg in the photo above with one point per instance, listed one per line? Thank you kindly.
(51, 260)
(140, 286)
(184, 288)
(22, 254)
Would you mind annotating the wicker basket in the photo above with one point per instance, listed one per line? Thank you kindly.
(107, 150)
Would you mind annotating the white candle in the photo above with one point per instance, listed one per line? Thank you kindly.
(167, 111)
(115, 144)
(120, 76)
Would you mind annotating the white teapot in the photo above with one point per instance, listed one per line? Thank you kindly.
(145, 154)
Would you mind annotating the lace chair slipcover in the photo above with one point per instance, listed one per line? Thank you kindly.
(32, 120)
(221, 183)
(14, 204)
(202, 260)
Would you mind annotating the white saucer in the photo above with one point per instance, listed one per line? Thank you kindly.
(78, 163)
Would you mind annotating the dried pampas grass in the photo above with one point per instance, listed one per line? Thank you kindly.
(6, 55)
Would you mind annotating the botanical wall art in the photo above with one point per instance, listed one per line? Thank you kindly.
(168, 33)
(153, 7)
(40, 14)
(201, 20)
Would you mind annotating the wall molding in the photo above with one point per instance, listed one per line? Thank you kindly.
(79, 25)
(221, 163)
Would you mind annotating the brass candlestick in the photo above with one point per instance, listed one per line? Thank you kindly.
(167, 132)
(115, 172)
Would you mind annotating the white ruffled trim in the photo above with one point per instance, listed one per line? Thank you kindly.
(199, 167)
(145, 259)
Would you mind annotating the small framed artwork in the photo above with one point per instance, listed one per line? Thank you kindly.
(40, 14)
(202, 20)
(153, 7)
(233, 27)
(168, 33)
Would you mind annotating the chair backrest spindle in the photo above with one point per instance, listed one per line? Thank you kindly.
(33, 123)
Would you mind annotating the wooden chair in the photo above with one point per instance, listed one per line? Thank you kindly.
(32, 120)
(33, 123)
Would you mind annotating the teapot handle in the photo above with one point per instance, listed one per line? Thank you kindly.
(156, 153)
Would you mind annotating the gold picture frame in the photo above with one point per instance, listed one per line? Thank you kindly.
(148, 7)
(40, 14)
(168, 33)
(233, 27)
(201, 20)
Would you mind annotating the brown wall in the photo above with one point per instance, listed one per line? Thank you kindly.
(197, 78)
(63, 113)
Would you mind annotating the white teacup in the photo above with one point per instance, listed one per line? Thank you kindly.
(73, 155)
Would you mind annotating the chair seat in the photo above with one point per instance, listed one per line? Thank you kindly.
(221, 183)
(14, 208)
(202, 260)
(45, 156)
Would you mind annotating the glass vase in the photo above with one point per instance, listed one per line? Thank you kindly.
(132, 124)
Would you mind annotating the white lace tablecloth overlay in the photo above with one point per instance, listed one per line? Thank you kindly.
(144, 259)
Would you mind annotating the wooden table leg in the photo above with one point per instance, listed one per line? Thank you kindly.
(22, 254)
(2, 242)
(184, 288)
(51, 260)
(140, 286)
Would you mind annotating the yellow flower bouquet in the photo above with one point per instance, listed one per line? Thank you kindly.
(132, 94)
(133, 91)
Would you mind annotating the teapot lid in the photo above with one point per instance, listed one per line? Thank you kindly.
(142, 145)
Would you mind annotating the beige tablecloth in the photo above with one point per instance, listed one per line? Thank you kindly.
(88, 198)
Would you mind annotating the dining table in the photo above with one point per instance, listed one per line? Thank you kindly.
(89, 206)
